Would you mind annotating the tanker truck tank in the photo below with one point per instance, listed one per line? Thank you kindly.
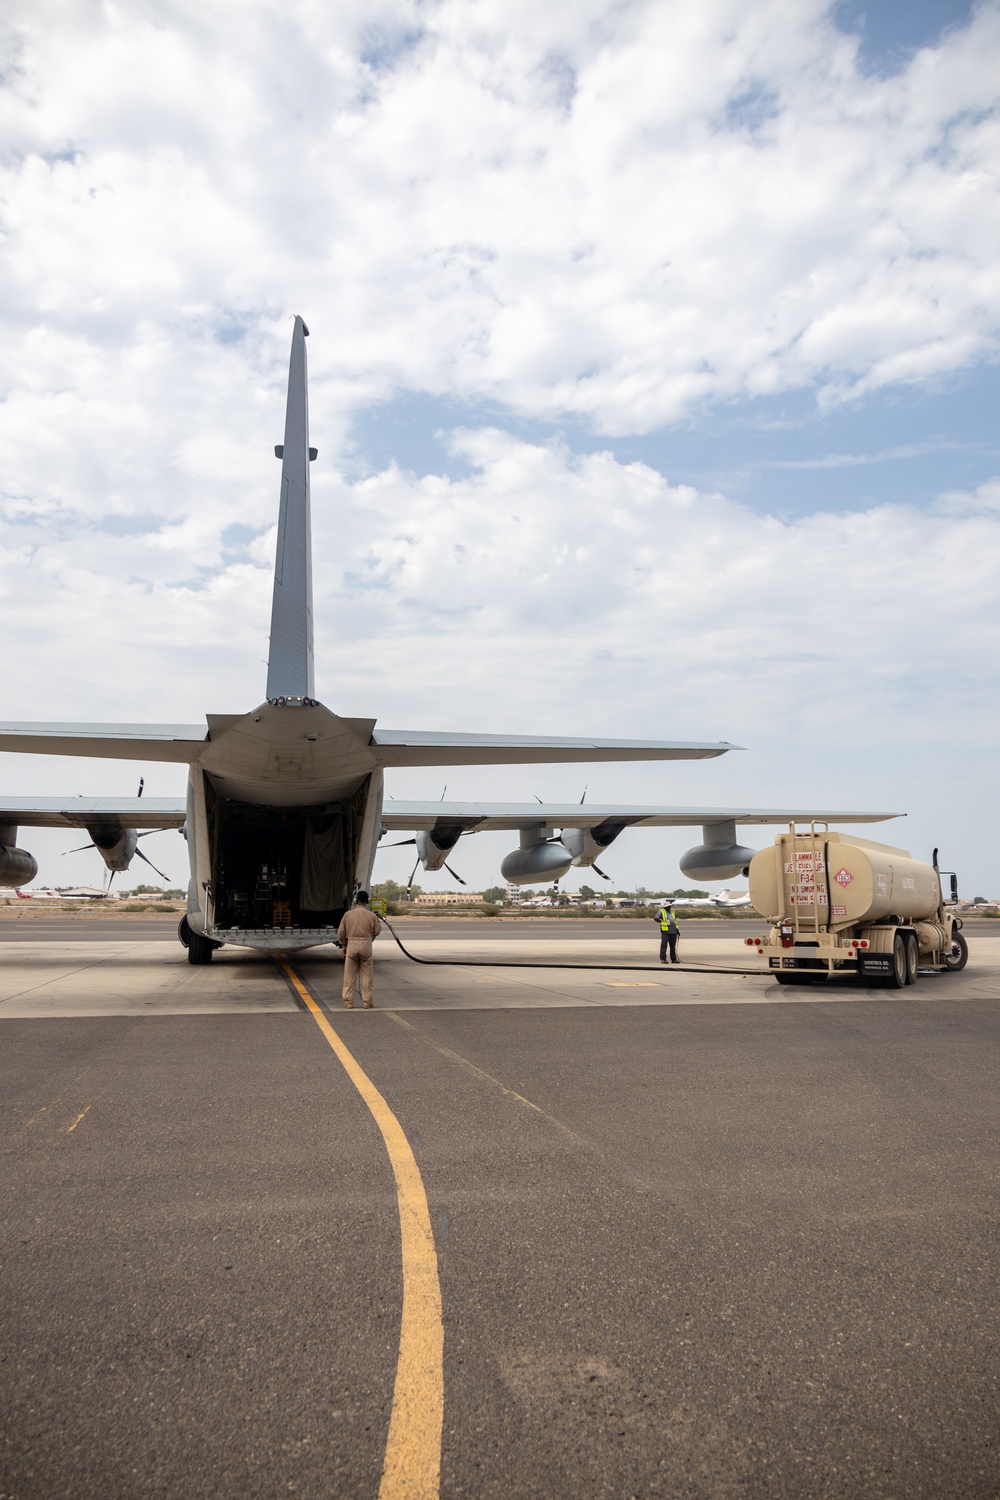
(845, 904)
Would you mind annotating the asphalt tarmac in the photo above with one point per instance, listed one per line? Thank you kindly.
(696, 1236)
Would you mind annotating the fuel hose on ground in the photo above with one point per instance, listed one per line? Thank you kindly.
(524, 963)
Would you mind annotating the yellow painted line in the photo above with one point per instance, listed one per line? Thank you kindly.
(412, 1466)
(77, 1120)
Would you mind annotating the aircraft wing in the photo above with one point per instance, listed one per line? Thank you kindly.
(402, 747)
(83, 812)
(481, 817)
(176, 742)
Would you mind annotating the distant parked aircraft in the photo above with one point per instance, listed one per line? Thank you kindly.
(733, 898)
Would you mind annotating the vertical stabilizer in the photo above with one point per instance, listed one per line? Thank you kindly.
(290, 658)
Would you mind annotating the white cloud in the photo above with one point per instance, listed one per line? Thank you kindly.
(604, 577)
(616, 211)
(984, 500)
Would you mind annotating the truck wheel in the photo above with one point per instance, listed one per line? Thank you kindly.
(959, 955)
(794, 978)
(897, 979)
(911, 958)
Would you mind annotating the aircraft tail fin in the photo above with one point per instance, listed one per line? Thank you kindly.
(290, 657)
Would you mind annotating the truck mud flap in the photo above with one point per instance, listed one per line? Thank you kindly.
(875, 965)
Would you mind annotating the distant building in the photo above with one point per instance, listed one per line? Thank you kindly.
(448, 898)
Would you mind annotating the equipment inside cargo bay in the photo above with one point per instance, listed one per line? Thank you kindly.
(282, 867)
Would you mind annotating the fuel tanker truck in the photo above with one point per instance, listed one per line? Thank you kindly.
(846, 905)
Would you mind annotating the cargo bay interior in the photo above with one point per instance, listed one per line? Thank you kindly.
(282, 866)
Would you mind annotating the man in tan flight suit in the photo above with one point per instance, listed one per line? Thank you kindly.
(355, 935)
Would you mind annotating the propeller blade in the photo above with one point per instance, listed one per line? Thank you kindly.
(79, 849)
(142, 783)
(150, 864)
(451, 872)
(409, 883)
(584, 797)
(598, 871)
(401, 845)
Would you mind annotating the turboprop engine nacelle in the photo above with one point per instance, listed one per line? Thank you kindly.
(17, 866)
(720, 857)
(540, 857)
(586, 844)
(430, 853)
(116, 846)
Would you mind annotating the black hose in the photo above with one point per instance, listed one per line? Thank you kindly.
(520, 963)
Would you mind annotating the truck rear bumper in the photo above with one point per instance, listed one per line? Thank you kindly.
(817, 965)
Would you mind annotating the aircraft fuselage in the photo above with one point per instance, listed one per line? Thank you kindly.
(283, 821)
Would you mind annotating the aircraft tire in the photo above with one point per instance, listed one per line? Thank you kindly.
(957, 959)
(199, 948)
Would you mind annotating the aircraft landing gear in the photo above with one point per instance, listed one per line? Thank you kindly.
(199, 949)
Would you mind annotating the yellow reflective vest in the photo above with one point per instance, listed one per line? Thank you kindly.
(668, 922)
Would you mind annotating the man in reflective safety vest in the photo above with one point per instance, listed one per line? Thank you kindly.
(668, 932)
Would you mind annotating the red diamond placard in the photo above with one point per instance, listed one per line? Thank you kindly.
(843, 877)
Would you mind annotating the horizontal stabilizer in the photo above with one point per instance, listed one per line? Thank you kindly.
(399, 747)
(171, 742)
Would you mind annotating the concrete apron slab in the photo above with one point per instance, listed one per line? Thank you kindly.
(132, 978)
(152, 977)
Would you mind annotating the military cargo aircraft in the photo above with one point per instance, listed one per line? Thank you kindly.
(284, 808)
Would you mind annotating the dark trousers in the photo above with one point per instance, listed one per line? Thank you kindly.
(671, 938)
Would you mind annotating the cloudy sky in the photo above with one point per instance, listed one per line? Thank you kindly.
(654, 374)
